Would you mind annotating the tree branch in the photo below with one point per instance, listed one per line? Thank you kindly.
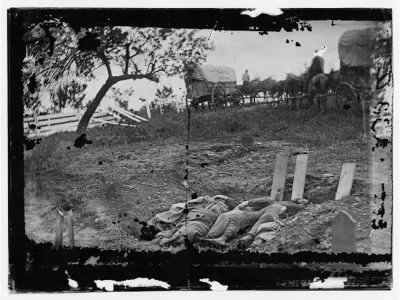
(99, 66)
(126, 58)
(152, 62)
(138, 49)
(137, 71)
(134, 77)
(106, 62)
(153, 66)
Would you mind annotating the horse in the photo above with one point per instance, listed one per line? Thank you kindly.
(277, 90)
(334, 80)
(317, 88)
(293, 87)
(249, 89)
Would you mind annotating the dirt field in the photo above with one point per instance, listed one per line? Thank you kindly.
(127, 174)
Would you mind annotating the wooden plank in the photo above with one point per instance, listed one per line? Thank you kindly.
(67, 122)
(101, 114)
(346, 180)
(126, 114)
(45, 117)
(137, 116)
(64, 127)
(148, 111)
(59, 230)
(70, 227)
(116, 116)
(107, 118)
(59, 121)
(55, 116)
(299, 176)
(29, 119)
(279, 179)
(114, 123)
(60, 116)
(343, 233)
(51, 122)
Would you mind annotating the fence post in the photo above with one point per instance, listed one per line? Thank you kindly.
(364, 107)
(148, 109)
(36, 123)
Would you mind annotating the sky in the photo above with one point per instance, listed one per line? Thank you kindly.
(270, 55)
(262, 55)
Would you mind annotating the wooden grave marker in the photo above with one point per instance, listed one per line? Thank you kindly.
(343, 233)
(60, 215)
(346, 180)
(343, 225)
(70, 228)
(59, 229)
(279, 179)
(299, 179)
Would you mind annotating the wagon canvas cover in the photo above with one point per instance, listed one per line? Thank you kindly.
(214, 74)
(356, 47)
(206, 76)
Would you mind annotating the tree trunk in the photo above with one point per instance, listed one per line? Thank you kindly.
(84, 122)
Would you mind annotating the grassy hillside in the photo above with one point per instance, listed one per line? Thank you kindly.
(132, 173)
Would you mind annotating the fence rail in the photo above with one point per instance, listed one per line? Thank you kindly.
(46, 125)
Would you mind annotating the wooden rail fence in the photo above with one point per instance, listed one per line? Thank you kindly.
(45, 125)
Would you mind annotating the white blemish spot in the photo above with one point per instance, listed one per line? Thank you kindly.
(145, 282)
(72, 283)
(321, 51)
(108, 285)
(214, 285)
(92, 261)
(254, 13)
(329, 283)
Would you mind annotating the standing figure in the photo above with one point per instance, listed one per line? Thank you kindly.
(316, 67)
(246, 77)
(246, 89)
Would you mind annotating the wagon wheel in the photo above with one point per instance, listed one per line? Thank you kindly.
(345, 95)
(236, 98)
(195, 104)
(198, 104)
(218, 98)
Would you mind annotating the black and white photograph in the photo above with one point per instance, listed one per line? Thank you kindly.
(200, 149)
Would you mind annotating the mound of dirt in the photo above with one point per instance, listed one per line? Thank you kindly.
(310, 229)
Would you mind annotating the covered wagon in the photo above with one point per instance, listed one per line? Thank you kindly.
(357, 51)
(214, 86)
(356, 48)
